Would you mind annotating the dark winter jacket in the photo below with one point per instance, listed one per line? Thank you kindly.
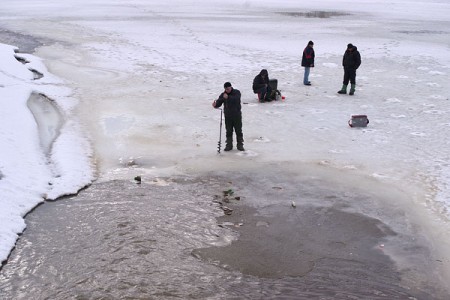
(232, 105)
(352, 59)
(259, 82)
(308, 57)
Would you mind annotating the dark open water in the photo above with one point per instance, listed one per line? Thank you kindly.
(158, 240)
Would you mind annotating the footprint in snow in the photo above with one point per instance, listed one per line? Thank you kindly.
(337, 151)
(248, 153)
(261, 139)
(423, 68)
(436, 73)
(317, 111)
(398, 116)
(378, 175)
(393, 100)
(273, 112)
(420, 134)
(434, 112)
(350, 167)
(437, 97)
(428, 105)
(321, 128)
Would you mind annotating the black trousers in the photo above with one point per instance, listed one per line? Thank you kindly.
(349, 75)
(234, 123)
(265, 93)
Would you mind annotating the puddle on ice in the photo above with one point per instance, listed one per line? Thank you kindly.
(25, 43)
(161, 239)
(47, 117)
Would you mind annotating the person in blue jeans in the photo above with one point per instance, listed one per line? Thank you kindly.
(308, 61)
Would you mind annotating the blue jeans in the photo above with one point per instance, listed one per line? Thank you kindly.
(306, 76)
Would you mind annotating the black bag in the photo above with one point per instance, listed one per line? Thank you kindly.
(275, 95)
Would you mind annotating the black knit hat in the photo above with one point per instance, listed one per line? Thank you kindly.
(349, 46)
(310, 43)
(226, 84)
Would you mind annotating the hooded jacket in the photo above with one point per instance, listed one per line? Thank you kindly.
(259, 82)
(351, 59)
(308, 57)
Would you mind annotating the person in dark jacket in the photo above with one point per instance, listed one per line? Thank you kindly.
(351, 62)
(308, 61)
(262, 87)
(231, 100)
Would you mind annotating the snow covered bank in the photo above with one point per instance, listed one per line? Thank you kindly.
(33, 167)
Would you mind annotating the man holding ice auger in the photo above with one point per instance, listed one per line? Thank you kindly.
(231, 99)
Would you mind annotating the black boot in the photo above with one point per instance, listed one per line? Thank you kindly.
(240, 143)
(352, 89)
(343, 90)
(229, 145)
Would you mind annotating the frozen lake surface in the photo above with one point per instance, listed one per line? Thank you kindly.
(145, 74)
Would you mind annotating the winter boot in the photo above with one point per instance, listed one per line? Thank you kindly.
(240, 144)
(260, 97)
(343, 89)
(352, 89)
(229, 145)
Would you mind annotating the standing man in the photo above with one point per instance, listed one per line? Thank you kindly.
(262, 87)
(308, 61)
(350, 62)
(231, 100)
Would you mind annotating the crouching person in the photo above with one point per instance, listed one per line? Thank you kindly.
(231, 100)
(262, 87)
